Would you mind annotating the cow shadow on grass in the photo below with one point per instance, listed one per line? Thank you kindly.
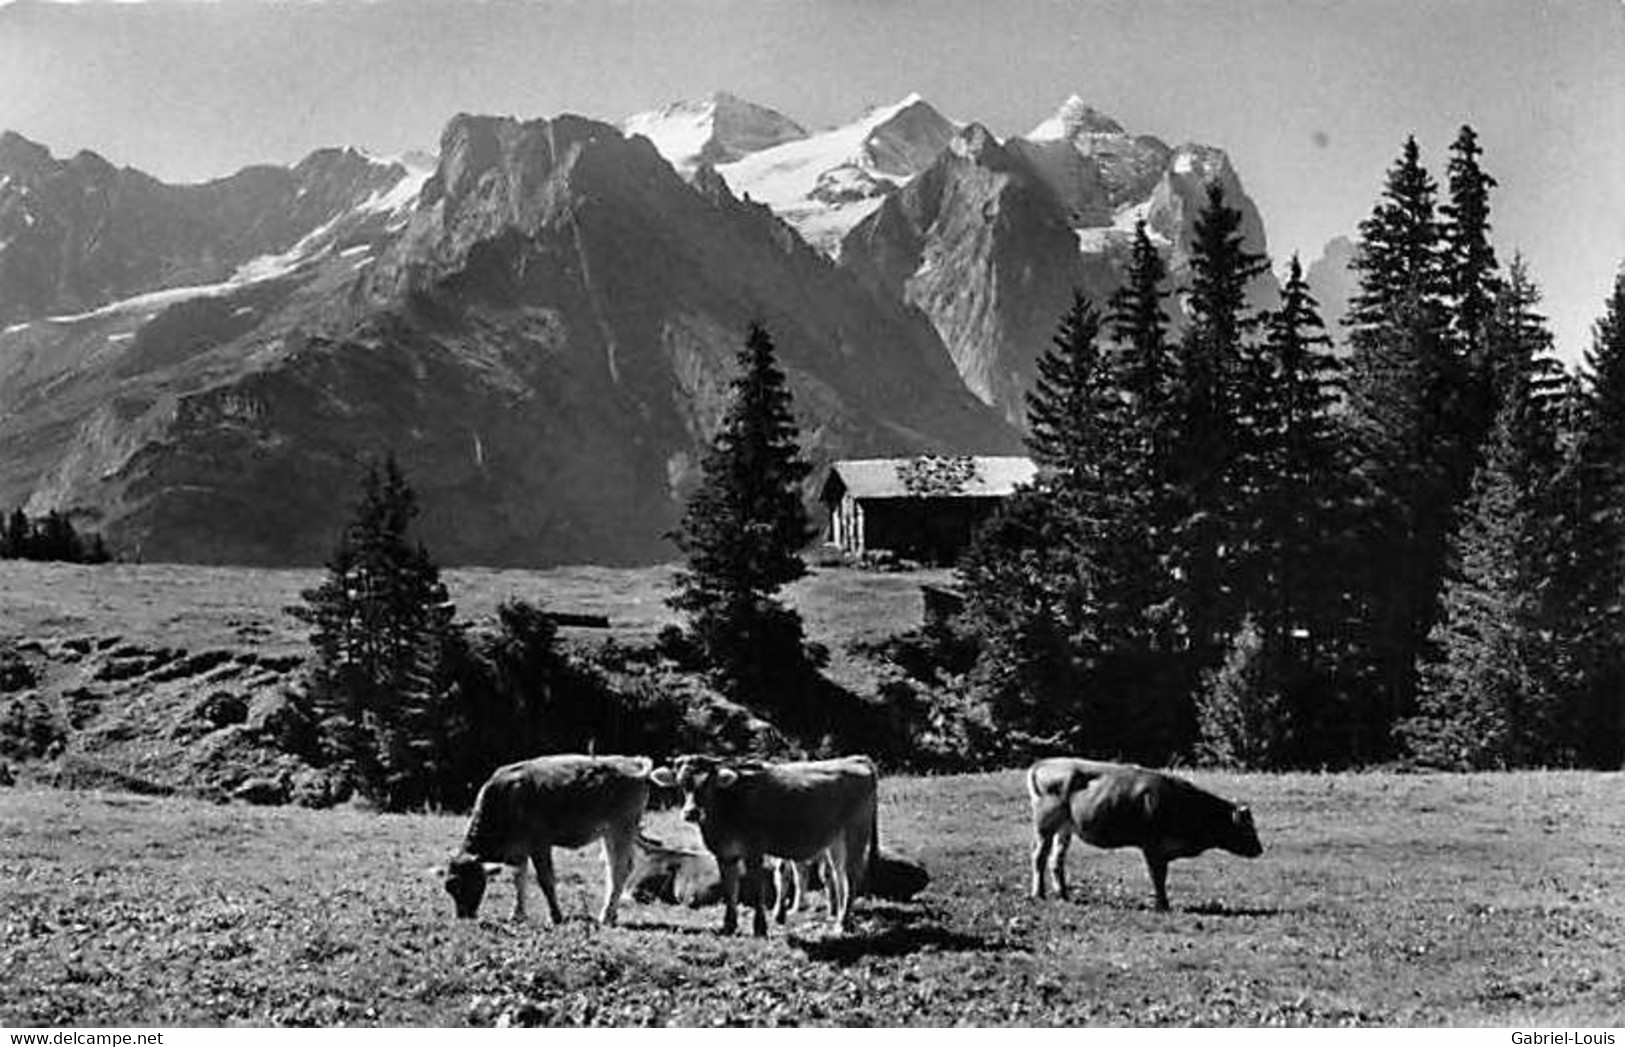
(895, 930)
(1221, 909)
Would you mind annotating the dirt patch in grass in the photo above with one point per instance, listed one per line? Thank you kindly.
(1486, 899)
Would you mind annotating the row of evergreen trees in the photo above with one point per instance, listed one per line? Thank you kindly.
(410, 707)
(1246, 547)
(51, 537)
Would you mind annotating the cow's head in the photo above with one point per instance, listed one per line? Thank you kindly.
(701, 778)
(1243, 837)
(465, 877)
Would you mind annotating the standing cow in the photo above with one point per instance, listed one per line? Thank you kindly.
(748, 811)
(1118, 805)
(526, 809)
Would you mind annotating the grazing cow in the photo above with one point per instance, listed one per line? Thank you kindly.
(1117, 805)
(748, 811)
(526, 809)
(678, 876)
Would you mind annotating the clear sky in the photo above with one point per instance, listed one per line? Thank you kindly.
(1312, 99)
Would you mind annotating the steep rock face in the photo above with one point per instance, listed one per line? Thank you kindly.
(1333, 282)
(545, 343)
(991, 241)
(79, 233)
(980, 245)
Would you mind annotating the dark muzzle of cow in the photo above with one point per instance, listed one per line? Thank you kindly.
(1244, 836)
(465, 882)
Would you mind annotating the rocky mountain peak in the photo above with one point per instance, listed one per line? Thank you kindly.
(1073, 119)
(719, 129)
(23, 158)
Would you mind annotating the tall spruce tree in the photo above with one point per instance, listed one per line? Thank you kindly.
(1072, 409)
(1590, 579)
(1061, 583)
(742, 532)
(1471, 270)
(1302, 480)
(381, 623)
(1491, 683)
(1403, 378)
(1209, 460)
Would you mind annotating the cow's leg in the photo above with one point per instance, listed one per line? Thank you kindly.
(542, 858)
(786, 888)
(620, 845)
(729, 867)
(1057, 862)
(1158, 865)
(1041, 845)
(838, 887)
(753, 871)
(521, 884)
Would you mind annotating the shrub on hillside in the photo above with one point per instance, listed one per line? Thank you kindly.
(29, 730)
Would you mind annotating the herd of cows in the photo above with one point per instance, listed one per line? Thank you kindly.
(771, 830)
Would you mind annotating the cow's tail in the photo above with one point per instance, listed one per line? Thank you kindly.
(872, 867)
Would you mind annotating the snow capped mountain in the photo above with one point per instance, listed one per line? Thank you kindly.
(993, 238)
(715, 130)
(821, 184)
(80, 238)
(1074, 119)
(542, 320)
(825, 184)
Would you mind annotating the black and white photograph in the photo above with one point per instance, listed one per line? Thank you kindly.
(848, 513)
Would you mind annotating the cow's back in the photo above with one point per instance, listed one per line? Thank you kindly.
(561, 801)
(792, 810)
(1128, 806)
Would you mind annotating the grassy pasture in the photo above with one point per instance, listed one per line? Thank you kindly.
(1380, 899)
(196, 607)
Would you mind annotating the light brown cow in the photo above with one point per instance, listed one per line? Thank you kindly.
(1120, 805)
(748, 811)
(526, 809)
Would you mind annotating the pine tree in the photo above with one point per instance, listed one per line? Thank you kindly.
(742, 533)
(381, 623)
(1209, 461)
(1470, 264)
(1590, 570)
(1491, 687)
(1486, 699)
(1070, 409)
(1303, 488)
(1408, 458)
(1147, 363)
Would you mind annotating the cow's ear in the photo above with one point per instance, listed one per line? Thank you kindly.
(663, 777)
(436, 872)
(726, 776)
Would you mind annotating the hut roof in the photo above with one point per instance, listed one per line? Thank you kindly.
(929, 476)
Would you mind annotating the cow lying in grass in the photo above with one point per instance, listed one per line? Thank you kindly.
(890, 877)
(1118, 805)
(679, 876)
(749, 811)
(526, 809)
